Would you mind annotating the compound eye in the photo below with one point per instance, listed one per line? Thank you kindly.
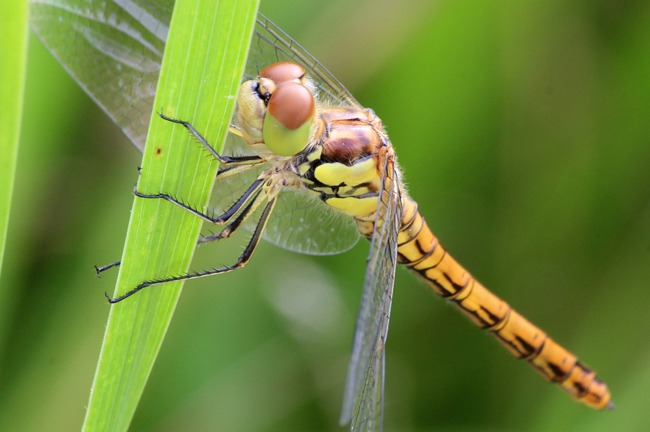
(290, 119)
(283, 72)
(292, 105)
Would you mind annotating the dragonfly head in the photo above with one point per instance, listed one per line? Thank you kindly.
(277, 109)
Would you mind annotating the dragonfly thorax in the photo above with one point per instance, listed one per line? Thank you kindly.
(344, 167)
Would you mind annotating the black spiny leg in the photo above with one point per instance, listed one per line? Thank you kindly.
(220, 220)
(241, 262)
(224, 160)
(234, 226)
(253, 190)
(106, 267)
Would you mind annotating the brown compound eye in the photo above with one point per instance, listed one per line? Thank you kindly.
(283, 71)
(290, 119)
(292, 105)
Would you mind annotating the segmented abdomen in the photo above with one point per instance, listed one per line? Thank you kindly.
(419, 250)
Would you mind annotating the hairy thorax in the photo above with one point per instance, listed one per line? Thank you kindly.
(343, 168)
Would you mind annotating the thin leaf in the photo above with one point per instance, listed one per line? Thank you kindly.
(13, 46)
(202, 66)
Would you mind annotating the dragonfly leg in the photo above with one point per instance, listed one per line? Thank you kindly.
(241, 261)
(230, 170)
(235, 130)
(241, 218)
(106, 267)
(219, 220)
(226, 233)
(224, 160)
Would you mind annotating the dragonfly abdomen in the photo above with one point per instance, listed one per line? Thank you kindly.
(420, 251)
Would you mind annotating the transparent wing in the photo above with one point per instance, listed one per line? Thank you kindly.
(303, 223)
(364, 389)
(114, 49)
(271, 45)
(300, 221)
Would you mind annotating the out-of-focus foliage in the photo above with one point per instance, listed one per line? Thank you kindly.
(522, 130)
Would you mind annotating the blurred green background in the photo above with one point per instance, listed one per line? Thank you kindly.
(523, 131)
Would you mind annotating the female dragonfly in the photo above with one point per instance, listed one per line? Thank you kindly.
(317, 155)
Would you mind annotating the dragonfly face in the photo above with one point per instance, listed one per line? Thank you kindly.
(277, 111)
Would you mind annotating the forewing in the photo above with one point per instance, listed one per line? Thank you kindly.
(363, 400)
(270, 45)
(113, 49)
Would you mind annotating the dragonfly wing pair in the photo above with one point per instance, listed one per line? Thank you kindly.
(112, 49)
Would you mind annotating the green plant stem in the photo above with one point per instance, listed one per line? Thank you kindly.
(202, 66)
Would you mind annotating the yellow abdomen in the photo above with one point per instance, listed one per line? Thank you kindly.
(420, 251)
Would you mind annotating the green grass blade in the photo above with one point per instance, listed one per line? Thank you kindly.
(201, 71)
(13, 46)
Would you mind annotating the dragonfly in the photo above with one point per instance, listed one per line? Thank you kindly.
(318, 172)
